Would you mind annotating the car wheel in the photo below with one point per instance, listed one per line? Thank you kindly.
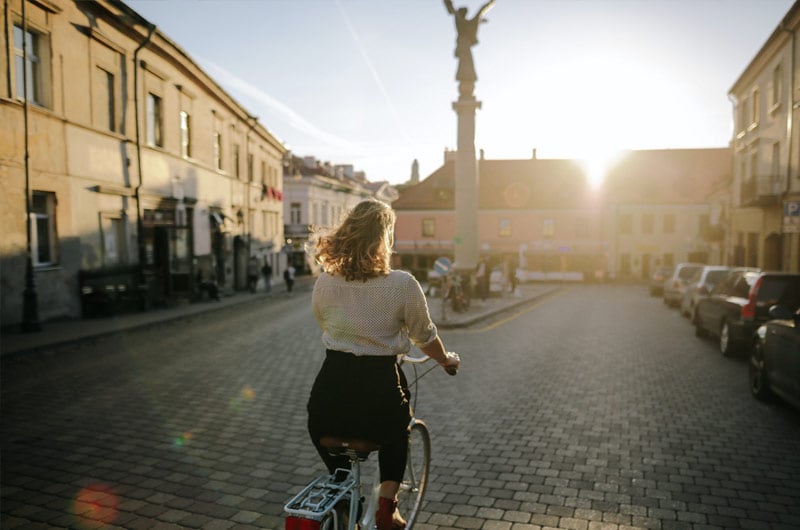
(699, 330)
(759, 383)
(725, 342)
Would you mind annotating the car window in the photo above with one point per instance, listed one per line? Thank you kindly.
(696, 276)
(741, 288)
(714, 277)
(686, 272)
(725, 285)
(779, 290)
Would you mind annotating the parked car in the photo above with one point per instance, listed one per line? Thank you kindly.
(775, 356)
(740, 303)
(657, 280)
(700, 285)
(676, 283)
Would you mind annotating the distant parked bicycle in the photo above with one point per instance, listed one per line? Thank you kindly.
(336, 501)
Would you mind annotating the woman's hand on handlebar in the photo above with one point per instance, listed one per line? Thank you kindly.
(451, 363)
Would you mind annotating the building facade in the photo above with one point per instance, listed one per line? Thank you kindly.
(765, 195)
(542, 216)
(142, 175)
(317, 196)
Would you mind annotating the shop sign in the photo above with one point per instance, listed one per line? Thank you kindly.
(791, 217)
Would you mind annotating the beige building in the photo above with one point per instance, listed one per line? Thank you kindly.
(765, 216)
(319, 195)
(144, 176)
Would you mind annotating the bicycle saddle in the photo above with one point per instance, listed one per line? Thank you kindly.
(337, 445)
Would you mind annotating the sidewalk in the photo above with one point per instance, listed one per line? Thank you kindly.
(63, 333)
(493, 305)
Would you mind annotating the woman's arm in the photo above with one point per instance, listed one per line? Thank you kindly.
(448, 360)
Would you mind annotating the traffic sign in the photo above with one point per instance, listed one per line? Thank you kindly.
(443, 266)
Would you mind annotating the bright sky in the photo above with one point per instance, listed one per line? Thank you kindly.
(372, 82)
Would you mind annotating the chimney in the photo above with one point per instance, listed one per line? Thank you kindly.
(482, 154)
(533, 155)
(415, 172)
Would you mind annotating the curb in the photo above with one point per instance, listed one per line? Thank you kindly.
(499, 311)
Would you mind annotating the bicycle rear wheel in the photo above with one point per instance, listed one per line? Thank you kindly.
(412, 489)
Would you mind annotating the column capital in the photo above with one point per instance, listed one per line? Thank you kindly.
(468, 105)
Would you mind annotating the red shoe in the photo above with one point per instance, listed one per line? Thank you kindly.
(387, 517)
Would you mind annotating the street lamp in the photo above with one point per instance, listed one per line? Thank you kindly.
(30, 304)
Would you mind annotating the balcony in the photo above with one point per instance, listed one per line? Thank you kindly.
(297, 230)
(761, 191)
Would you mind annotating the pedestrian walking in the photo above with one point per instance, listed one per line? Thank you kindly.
(266, 272)
(482, 278)
(369, 314)
(288, 277)
(252, 274)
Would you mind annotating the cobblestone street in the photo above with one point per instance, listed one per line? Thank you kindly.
(594, 407)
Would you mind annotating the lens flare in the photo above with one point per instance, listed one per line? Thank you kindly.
(94, 504)
(182, 440)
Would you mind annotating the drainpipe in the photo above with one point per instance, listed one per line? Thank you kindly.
(789, 125)
(150, 30)
(30, 304)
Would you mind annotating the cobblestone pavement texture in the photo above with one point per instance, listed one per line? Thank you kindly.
(592, 408)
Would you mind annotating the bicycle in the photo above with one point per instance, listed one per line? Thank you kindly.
(336, 502)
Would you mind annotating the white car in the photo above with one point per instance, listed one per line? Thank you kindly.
(700, 286)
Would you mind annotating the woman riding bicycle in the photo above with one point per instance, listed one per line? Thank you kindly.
(369, 314)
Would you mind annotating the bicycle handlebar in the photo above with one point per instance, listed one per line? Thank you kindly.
(408, 358)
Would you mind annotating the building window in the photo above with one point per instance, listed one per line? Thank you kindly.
(154, 121)
(263, 172)
(236, 160)
(109, 105)
(669, 224)
(113, 240)
(504, 228)
(43, 229)
(295, 212)
(647, 223)
(186, 134)
(250, 167)
(29, 62)
(754, 164)
(217, 150)
(755, 107)
(549, 227)
(776, 161)
(626, 224)
(625, 264)
(668, 260)
(777, 86)
(743, 122)
(428, 227)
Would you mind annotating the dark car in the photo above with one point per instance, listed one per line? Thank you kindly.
(740, 303)
(657, 280)
(775, 356)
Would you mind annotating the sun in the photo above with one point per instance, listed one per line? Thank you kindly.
(597, 163)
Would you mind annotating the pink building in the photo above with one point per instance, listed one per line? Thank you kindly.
(543, 216)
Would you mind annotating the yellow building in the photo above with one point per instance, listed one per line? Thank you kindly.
(765, 220)
(144, 178)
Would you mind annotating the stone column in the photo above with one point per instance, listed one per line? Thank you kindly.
(466, 183)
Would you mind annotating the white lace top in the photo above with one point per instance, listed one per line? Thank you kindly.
(378, 317)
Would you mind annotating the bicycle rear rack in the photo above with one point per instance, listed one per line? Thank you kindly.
(321, 495)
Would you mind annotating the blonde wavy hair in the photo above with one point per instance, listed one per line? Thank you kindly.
(360, 248)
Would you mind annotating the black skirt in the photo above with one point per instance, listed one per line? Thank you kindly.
(359, 397)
